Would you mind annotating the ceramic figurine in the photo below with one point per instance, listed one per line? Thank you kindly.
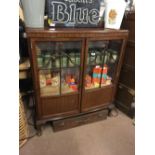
(108, 81)
(42, 80)
(48, 76)
(67, 78)
(72, 81)
(88, 80)
(96, 84)
(73, 87)
(48, 79)
(56, 80)
(72, 84)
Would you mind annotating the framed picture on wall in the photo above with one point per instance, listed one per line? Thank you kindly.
(114, 13)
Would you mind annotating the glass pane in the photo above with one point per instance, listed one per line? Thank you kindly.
(49, 82)
(101, 63)
(69, 80)
(48, 55)
(58, 61)
(111, 56)
(70, 67)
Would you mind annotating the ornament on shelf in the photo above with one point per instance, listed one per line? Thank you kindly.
(104, 74)
(42, 80)
(88, 81)
(96, 75)
(108, 81)
(72, 84)
(48, 79)
(56, 80)
(67, 78)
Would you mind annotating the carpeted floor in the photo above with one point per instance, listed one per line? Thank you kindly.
(114, 136)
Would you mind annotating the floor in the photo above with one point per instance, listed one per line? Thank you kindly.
(113, 136)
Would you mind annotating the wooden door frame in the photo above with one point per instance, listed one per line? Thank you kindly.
(123, 38)
(33, 42)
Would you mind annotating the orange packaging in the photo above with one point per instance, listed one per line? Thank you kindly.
(97, 70)
(105, 69)
(96, 74)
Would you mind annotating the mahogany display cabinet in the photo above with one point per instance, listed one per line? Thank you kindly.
(75, 71)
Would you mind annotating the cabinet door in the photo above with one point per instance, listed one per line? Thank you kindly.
(58, 64)
(102, 57)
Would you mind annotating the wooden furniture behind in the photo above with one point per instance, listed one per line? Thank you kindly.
(56, 104)
(24, 68)
(126, 89)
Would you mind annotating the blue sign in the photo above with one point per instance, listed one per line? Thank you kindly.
(75, 13)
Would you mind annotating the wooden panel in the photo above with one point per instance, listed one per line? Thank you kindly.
(128, 111)
(129, 58)
(75, 33)
(129, 24)
(95, 98)
(80, 120)
(127, 77)
(124, 96)
(59, 105)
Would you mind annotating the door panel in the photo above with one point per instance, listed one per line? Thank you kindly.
(97, 98)
(102, 58)
(60, 105)
(59, 74)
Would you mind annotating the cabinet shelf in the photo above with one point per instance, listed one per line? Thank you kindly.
(98, 88)
(54, 68)
(91, 65)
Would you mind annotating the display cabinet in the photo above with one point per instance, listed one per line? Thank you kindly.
(75, 71)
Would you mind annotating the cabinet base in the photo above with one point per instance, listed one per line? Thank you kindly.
(79, 120)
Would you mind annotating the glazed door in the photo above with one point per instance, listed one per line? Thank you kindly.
(102, 59)
(58, 63)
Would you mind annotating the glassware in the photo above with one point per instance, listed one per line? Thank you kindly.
(78, 59)
(40, 61)
(72, 59)
(64, 61)
(57, 62)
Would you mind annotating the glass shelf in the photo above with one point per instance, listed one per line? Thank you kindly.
(57, 68)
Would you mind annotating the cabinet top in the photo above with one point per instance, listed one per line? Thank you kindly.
(74, 32)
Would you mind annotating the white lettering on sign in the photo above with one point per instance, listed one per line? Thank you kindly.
(94, 15)
(73, 14)
(61, 16)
